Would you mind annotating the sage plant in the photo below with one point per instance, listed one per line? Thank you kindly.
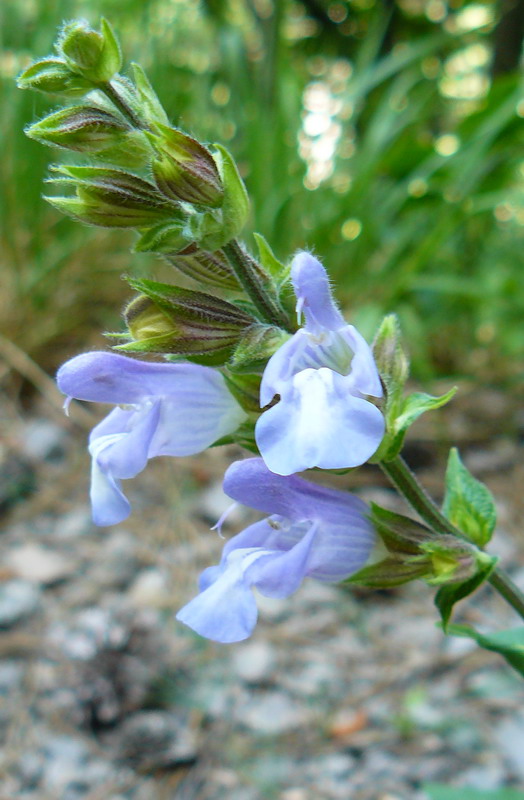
(259, 355)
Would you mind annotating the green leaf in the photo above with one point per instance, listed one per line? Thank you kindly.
(509, 643)
(417, 403)
(402, 415)
(468, 504)
(451, 593)
(439, 791)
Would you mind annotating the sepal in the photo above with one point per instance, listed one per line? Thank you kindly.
(256, 347)
(414, 551)
(201, 265)
(468, 503)
(95, 55)
(275, 268)
(151, 108)
(235, 205)
(245, 389)
(453, 591)
(53, 76)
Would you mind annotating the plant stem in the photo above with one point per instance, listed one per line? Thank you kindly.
(249, 278)
(407, 484)
(111, 93)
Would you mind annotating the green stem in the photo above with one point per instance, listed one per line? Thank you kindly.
(244, 268)
(111, 93)
(407, 484)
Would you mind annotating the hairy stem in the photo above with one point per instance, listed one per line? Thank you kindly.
(407, 484)
(249, 279)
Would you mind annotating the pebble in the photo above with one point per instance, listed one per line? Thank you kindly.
(38, 564)
(43, 440)
(18, 600)
(153, 739)
(271, 713)
(150, 589)
(254, 662)
(510, 737)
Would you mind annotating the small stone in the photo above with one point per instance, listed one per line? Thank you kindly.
(154, 739)
(510, 737)
(74, 524)
(43, 440)
(150, 589)
(39, 564)
(271, 713)
(18, 600)
(253, 662)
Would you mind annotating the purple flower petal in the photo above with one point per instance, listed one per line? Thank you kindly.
(311, 285)
(323, 533)
(171, 409)
(318, 423)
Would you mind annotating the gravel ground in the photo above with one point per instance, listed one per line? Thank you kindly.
(104, 696)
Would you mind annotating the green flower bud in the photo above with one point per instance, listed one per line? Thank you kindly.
(93, 130)
(83, 128)
(110, 198)
(169, 319)
(390, 358)
(95, 55)
(54, 76)
(184, 169)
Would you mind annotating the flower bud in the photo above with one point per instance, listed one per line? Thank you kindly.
(95, 55)
(83, 128)
(111, 198)
(54, 76)
(184, 169)
(93, 130)
(390, 358)
(169, 319)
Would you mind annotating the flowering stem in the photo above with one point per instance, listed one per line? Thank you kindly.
(407, 484)
(111, 93)
(250, 281)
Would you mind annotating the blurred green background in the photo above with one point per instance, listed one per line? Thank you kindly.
(386, 135)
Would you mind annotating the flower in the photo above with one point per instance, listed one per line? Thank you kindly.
(322, 376)
(169, 410)
(312, 531)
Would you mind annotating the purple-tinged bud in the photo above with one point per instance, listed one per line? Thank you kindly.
(83, 128)
(168, 319)
(185, 169)
(95, 55)
(52, 75)
(111, 198)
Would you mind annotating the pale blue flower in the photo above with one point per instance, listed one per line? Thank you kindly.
(321, 378)
(312, 531)
(166, 410)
